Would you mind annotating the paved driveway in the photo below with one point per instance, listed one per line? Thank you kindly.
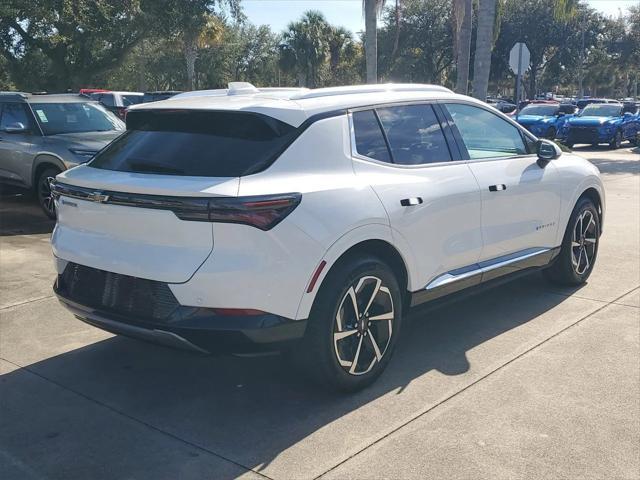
(524, 381)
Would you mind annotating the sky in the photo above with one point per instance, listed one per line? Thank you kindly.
(348, 13)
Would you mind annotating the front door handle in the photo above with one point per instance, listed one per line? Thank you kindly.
(497, 188)
(410, 202)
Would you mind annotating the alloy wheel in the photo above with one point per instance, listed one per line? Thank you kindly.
(363, 325)
(584, 242)
(45, 197)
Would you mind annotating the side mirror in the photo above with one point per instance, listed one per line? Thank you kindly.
(17, 127)
(547, 151)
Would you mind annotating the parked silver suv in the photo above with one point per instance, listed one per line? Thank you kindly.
(43, 135)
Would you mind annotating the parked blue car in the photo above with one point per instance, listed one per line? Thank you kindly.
(545, 120)
(597, 123)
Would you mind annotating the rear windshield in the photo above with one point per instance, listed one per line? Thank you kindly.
(193, 143)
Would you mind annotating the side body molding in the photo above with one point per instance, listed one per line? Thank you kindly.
(485, 271)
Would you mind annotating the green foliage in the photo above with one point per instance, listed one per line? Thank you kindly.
(5, 78)
(317, 54)
(305, 47)
(74, 41)
(425, 42)
(555, 40)
(180, 44)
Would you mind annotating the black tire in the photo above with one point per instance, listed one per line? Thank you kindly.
(551, 133)
(564, 270)
(616, 142)
(318, 353)
(43, 192)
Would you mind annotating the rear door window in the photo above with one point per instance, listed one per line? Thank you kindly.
(195, 143)
(414, 134)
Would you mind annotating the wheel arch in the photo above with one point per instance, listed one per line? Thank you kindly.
(594, 195)
(383, 250)
(375, 240)
(43, 161)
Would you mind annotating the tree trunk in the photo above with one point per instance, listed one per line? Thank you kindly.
(463, 44)
(396, 40)
(190, 55)
(302, 79)
(484, 46)
(371, 40)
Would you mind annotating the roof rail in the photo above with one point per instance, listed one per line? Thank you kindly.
(242, 90)
(378, 88)
(14, 95)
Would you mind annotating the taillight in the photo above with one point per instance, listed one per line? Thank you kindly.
(263, 212)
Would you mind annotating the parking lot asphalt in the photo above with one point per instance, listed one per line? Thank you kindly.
(523, 381)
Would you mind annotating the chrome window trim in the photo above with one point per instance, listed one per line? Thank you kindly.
(358, 156)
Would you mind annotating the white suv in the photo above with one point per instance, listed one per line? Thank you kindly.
(311, 220)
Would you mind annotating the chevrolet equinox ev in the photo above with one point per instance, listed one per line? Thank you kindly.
(310, 220)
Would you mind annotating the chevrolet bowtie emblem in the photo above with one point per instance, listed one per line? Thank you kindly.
(98, 197)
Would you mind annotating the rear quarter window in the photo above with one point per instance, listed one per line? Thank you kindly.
(195, 143)
(368, 135)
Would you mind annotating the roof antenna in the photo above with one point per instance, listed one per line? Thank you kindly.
(241, 88)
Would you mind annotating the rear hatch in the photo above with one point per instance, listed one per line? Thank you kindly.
(142, 207)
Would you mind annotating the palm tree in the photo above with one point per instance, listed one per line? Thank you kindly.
(192, 21)
(339, 39)
(372, 9)
(462, 14)
(565, 10)
(305, 46)
(205, 36)
(484, 46)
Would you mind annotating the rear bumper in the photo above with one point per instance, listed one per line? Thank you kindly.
(195, 329)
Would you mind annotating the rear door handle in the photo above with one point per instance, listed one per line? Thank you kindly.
(410, 202)
(497, 188)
